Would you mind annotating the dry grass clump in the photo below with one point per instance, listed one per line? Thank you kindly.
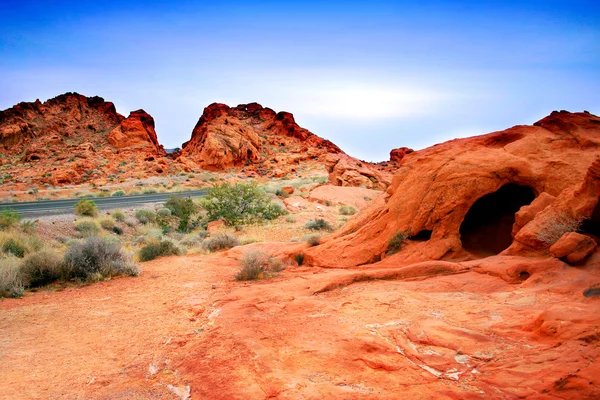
(11, 283)
(312, 240)
(118, 215)
(95, 258)
(220, 242)
(557, 226)
(107, 223)
(258, 265)
(347, 210)
(87, 227)
(158, 248)
(395, 243)
(318, 225)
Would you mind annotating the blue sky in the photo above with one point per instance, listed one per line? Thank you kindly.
(370, 75)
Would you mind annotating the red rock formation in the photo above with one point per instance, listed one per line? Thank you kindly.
(458, 200)
(250, 134)
(396, 155)
(136, 133)
(348, 171)
(72, 138)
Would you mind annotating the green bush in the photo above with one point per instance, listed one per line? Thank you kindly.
(8, 219)
(395, 243)
(347, 210)
(118, 193)
(318, 225)
(87, 227)
(118, 215)
(95, 258)
(14, 247)
(86, 208)
(158, 248)
(220, 242)
(164, 212)
(145, 216)
(239, 204)
(41, 268)
(183, 208)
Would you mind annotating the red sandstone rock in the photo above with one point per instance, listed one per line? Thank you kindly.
(288, 190)
(527, 213)
(214, 226)
(432, 197)
(348, 171)
(136, 133)
(227, 137)
(573, 247)
(396, 155)
(77, 139)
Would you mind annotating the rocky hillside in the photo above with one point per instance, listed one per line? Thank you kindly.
(266, 143)
(73, 138)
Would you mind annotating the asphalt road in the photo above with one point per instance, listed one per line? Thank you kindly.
(30, 209)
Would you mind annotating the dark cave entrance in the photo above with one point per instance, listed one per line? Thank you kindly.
(591, 225)
(486, 229)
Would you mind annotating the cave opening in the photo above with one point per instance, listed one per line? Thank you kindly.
(422, 236)
(592, 224)
(486, 229)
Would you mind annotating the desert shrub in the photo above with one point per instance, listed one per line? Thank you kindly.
(156, 248)
(395, 243)
(8, 219)
(107, 223)
(347, 210)
(28, 226)
(11, 281)
(290, 219)
(183, 208)
(257, 264)
(557, 226)
(149, 191)
(13, 247)
(312, 240)
(86, 208)
(239, 204)
(118, 193)
(318, 225)
(195, 239)
(95, 258)
(131, 222)
(145, 216)
(41, 268)
(87, 227)
(118, 215)
(299, 258)
(164, 212)
(220, 242)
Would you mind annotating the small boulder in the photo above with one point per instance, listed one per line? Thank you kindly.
(287, 190)
(214, 226)
(573, 247)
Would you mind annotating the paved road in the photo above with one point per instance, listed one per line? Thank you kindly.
(31, 209)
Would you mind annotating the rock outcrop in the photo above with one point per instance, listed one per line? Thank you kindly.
(458, 200)
(253, 136)
(73, 138)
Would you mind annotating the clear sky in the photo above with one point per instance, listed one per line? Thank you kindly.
(368, 75)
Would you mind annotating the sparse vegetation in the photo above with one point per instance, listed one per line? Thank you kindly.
(242, 203)
(395, 243)
(318, 225)
(87, 227)
(86, 208)
(118, 193)
(95, 258)
(220, 242)
(145, 216)
(183, 208)
(164, 212)
(158, 248)
(107, 223)
(347, 210)
(257, 265)
(290, 218)
(312, 240)
(118, 215)
(8, 219)
(558, 226)
(41, 268)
